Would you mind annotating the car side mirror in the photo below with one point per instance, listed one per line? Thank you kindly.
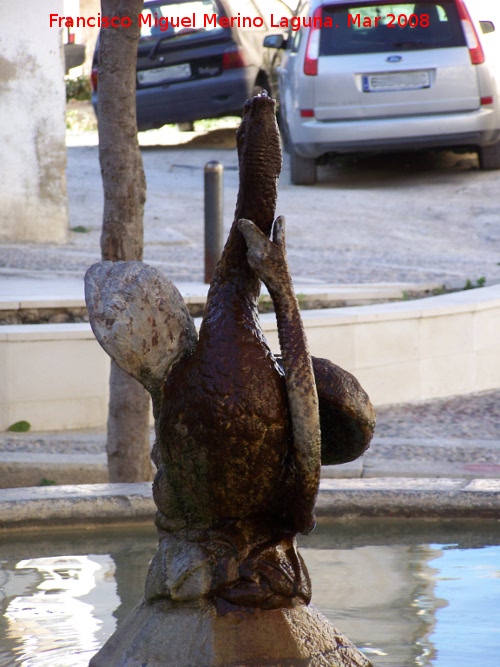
(74, 56)
(275, 42)
(487, 26)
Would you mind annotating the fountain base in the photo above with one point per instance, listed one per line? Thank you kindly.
(166, 634)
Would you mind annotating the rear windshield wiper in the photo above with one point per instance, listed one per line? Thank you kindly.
(181, 33)
(154, 50)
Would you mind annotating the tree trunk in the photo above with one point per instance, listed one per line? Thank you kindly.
(124, 186)
(128, 429)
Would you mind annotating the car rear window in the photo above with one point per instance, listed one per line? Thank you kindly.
(375, 27)
(177, 19)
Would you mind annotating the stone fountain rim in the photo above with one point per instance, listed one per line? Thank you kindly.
(91, 505)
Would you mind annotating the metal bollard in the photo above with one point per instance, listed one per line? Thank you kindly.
(214, 226)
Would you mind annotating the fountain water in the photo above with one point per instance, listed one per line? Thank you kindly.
(400, 589)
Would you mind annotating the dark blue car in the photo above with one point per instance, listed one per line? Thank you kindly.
(201, 58)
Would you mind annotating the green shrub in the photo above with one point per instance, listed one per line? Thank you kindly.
(47, 482)
(480, 282)
(78, 89)
(20, 427)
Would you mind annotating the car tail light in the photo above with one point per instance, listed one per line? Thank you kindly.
(233, 58)
(312, 47)
(307, 113)
(94, 76)
(486, 100)
(475, 48)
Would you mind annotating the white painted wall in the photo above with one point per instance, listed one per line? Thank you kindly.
(411, 350)
(33, 201)
(56, 375)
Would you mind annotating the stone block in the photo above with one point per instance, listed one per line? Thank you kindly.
(387, 342)
(445, 335)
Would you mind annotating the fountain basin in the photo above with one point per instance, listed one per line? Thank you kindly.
(412, 593)
(399, 589)
(95, 504)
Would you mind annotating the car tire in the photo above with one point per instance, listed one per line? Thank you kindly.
(489, 156)
(302, 169)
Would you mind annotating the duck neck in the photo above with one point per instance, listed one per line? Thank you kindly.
(256, 203)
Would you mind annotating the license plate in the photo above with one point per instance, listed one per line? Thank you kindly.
(164, 74)
(396, 81)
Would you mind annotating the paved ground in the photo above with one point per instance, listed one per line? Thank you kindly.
(457, 438)
(399, 218)
(462, 419)
(472, 417)
(414, 218)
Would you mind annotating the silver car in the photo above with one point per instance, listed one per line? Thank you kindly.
(365, 76)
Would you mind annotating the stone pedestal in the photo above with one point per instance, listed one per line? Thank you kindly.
(164, 634)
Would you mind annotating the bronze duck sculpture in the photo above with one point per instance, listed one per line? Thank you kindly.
(238, 438)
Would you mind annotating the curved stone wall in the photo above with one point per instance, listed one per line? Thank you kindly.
(56, 376)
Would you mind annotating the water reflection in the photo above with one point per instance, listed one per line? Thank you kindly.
(381, 595)
(71, 593)
(409, 594)
(467, 629)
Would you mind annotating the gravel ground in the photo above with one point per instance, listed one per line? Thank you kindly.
(474, 417)
(460, 419)
(405, 217)
(81, 442)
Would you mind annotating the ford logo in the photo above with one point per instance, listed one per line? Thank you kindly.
(394, 59)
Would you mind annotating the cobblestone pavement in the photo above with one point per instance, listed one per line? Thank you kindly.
(406, 217)
(462, 429)
(474, 416)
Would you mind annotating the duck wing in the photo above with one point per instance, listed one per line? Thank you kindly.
(140, 319)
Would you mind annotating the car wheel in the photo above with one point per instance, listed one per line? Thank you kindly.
(489, 156)
(302, 170)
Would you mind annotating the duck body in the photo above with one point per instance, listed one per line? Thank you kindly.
(238, 431)
(225, 429)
